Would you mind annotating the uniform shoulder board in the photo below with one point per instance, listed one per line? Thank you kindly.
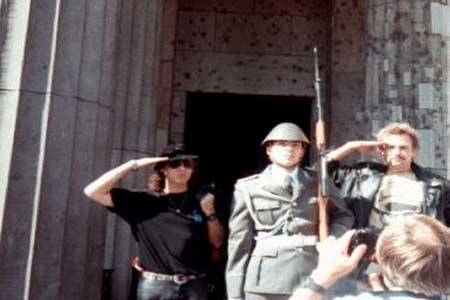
(249, 178)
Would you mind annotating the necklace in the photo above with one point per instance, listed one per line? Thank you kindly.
(174, 205)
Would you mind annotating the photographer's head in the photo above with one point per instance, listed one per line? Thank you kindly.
(414, 254)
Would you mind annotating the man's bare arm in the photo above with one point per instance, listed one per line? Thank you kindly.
(367, 147)
(216, 232)
(99, 189)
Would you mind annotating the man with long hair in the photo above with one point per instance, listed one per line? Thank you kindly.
(173, 228)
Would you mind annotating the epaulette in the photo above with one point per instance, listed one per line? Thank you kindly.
(249, 178)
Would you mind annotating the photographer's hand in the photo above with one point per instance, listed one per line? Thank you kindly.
(334, 260)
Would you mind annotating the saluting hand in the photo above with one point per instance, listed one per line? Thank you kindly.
(147, 161)
(367, 147)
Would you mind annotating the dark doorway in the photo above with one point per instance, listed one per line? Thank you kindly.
(226, 131)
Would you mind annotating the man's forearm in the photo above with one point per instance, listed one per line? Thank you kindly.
(216, 232)
(99, 189)
(341, 152)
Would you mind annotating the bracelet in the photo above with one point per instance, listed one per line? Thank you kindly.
(211, 217)
(310, 284)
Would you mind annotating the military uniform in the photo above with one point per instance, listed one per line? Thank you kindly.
(272, 237)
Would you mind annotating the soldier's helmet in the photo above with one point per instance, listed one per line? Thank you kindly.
(286, 132)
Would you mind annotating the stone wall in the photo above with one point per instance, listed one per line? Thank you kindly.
(261, 47)
(347, 73)
(408, 72)
(77, 95)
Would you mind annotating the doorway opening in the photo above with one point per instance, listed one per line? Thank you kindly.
(226, 131)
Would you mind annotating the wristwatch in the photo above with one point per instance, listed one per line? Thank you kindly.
(211, 217)
(310, 284)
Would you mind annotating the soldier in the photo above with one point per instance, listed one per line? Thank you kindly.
(273, 222)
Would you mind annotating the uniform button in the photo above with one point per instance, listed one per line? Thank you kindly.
(294, 204)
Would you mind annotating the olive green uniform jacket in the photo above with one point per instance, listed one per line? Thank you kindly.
(271, 245)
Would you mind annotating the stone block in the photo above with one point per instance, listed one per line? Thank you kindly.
(253, 34)
(91, 57)
(348, 34)
(69, 49)
(427, 152)
(8, 112)
(53, 199)
(76, 237)
(109, 53)
(162, 139)
(14, 34)
(195, 30)
(198, 5)
(40, 41)
(425, 95)
(178, 114)
(148, 114)
(440, 19)
(165, 94)
(123, 71)
(293, 7)
(396, 113)
(307, 33)
(225, 6)
(248, 74)
(22, 182)
(234, 6)
(168, 29)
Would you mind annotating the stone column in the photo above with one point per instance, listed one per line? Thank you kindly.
(55, 79)
(407, 72)
(135, 121)
(77, 97)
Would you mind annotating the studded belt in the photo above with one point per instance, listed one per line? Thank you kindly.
(177, 278)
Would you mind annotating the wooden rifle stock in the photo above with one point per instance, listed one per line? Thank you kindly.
(322, 197)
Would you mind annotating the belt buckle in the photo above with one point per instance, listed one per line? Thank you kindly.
(180, 279)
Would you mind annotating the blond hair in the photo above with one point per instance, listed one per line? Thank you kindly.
(414, 254)
(400, 129)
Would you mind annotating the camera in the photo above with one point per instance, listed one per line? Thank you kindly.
(367, 236)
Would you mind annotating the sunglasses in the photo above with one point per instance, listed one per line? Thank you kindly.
(187, 163)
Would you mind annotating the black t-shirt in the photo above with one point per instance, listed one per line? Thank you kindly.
(171, 230)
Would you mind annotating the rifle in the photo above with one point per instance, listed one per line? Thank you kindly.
(322, 193)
